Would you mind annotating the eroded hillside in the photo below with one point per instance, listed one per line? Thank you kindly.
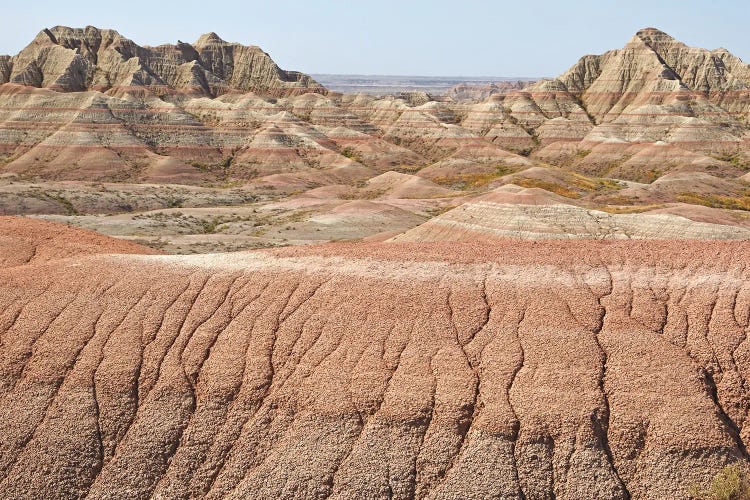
(511, 370)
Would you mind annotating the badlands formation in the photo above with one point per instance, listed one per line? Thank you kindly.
(210, 146)
(528, 290)
(522, 369)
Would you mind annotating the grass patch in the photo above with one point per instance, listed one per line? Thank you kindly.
(629, 209)
(552, 187)
(650, 176)
(352, 154)
(174, 201)
(66, 203)
(221, 166)
(716, 201)
(435, 211)
(525, 151)
(365, 194)
(58, 198)
(597, 185)
(467, 181)
(210, 226)
(735, 159)
(407, 169)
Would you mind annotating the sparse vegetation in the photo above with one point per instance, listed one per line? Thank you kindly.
(303, 114)
(650, 175)
(735, 159)
(547, 186)
(474, 180)
(525, 151)
(220, 166)
(209, 226)
(364, 194)
(731, 483)
(56, 197)
(435, 211)
(596, 184)
(352, 154)
(629, 209)
(407, 169)
(741, 202)
(174, 201)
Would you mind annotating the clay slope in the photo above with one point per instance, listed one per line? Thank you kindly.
(24, 241)
(516, 370)
(74, 59)
(514, 212)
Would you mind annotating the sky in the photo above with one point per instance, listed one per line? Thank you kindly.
(519, 38)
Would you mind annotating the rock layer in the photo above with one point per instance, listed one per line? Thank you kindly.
(512, 370)
(212, 112)
(69, 59)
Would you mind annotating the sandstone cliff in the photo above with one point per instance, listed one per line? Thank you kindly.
(608, 108)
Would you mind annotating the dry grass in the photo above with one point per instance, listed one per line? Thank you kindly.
(629, 209)
(741, 202)
(474, 180)
(595, 184)
(552, 187)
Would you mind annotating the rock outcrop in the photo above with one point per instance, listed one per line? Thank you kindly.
(474, 92)
(6, 66)
(655, 89)
(653, 63)
(68, 59)
(512, 370)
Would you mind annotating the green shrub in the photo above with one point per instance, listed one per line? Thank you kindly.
(352, 154)
(731, 483)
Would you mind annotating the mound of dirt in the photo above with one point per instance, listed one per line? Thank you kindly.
(25, 241)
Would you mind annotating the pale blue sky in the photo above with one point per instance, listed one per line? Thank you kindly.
(400, 37)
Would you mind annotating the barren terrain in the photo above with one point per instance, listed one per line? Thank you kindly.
(277, 290)
(518, 369)
(210, 146)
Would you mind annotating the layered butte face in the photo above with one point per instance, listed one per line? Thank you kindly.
(68, 59)
(513, 370)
